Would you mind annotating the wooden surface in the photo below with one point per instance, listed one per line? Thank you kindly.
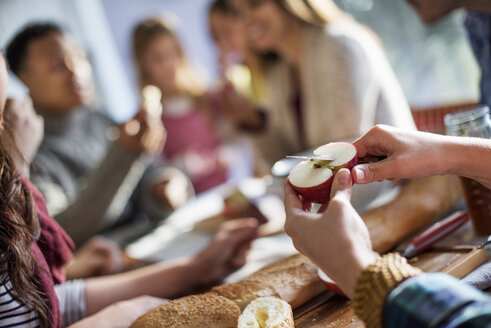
(447, 257)
(336, 312)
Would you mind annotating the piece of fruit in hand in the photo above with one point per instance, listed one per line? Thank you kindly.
(312, 179)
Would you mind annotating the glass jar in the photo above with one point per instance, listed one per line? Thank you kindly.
(474, 123)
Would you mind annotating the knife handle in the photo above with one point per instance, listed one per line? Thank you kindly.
(436, 232)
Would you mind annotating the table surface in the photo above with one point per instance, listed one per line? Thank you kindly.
(337, 312)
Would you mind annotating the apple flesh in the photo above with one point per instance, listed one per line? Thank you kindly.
(312, 179)
(343, 154)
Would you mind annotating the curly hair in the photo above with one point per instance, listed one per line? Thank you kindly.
(19, 229)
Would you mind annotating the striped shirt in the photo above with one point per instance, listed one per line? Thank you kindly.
(13, 313)
(71, 298)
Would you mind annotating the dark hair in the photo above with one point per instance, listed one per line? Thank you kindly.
(17, 48)
(223, 7)
(19, 229)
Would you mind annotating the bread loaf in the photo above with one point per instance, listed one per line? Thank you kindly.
(288, 262)
(205, 310)
(294, 280)
(418, 203)
(245, 291)
(267, 312)
(294, 284)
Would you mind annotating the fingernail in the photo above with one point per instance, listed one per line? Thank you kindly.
(343, 179)
(360, 174)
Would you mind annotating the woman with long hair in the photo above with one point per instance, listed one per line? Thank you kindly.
(327, 76)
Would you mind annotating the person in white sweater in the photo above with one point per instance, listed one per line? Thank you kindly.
(327, 76)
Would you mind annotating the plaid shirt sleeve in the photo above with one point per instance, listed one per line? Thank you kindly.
(436, 300)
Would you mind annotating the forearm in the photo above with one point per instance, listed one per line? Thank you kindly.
(419, 202)
(166, 280)
(107, 191)
(469, 157)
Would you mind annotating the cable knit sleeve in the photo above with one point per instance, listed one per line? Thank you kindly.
(105, 193)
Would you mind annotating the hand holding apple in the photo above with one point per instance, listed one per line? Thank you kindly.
(414, 154)
(337, 240)
(312, 179)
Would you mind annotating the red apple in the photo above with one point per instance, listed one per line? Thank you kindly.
(330, 284)
(312, 179)
(343, 155)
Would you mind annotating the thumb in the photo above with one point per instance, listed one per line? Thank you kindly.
(342, 185)
(373, 172)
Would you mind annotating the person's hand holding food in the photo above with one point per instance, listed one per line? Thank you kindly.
(143, 133)
(414, 154)
(336, 240)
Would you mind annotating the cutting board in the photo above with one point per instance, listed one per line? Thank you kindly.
(336, 312)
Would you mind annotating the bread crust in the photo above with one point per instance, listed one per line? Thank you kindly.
(204, 310)
(245, 291)
(294, 284)
(294, 280)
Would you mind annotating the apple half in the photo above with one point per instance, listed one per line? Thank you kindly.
(330, 284)
(312, 179)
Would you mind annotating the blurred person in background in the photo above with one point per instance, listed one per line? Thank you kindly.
(196, 132)
(99, 256)
(35, 249)
(478, 25)
(327, 76)
(90, 178)
(239, 67)
(329, 79)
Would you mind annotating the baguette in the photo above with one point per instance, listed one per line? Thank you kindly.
(418, 203)
(294, 280)
(245, 291)
(205, 310)
(295, 284)
(288, 262)
(267, 312)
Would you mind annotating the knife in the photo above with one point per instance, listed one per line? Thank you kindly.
(322, 158)
(435, 233)
(313, 304)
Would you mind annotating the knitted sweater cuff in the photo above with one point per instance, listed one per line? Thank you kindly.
(375, 283)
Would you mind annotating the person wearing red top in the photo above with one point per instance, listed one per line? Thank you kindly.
(194, 131)
(34, 250)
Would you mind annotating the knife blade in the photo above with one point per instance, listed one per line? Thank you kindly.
(313, 304)
(322, 158)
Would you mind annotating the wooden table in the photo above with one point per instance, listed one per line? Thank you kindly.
(337, 312)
